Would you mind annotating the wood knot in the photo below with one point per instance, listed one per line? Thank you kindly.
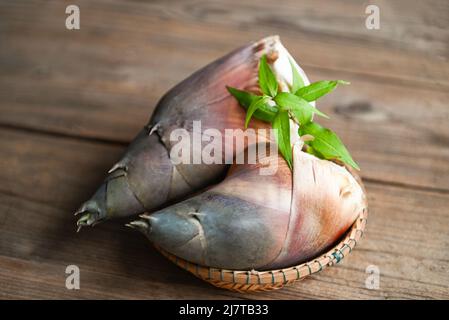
(363, 110)
(355, 107)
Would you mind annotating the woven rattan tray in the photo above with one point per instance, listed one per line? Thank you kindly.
(253, 281)
(256, 281)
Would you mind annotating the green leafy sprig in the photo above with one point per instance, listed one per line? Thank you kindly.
(279, 107)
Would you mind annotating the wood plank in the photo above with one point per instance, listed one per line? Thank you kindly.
(47, 177)
(419, 27)
(94, 84)
(386, 127)
(36, 164)
(25, 279)
(222, 27)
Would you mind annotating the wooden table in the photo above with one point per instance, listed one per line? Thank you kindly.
(71, 100)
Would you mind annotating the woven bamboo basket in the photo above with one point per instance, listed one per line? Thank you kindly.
(267, 280)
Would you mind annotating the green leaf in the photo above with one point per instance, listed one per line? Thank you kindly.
(297, 81)
(267, 80)
(254, 106)
(301, 109)
(326, 143)
(318, 89)
(243, 97)
(264, 112)
(281, 124)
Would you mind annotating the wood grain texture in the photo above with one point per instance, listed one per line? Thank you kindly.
(93, 84)
(71, 100)
(405, 239)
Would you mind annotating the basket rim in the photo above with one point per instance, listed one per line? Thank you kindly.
(277, 276)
